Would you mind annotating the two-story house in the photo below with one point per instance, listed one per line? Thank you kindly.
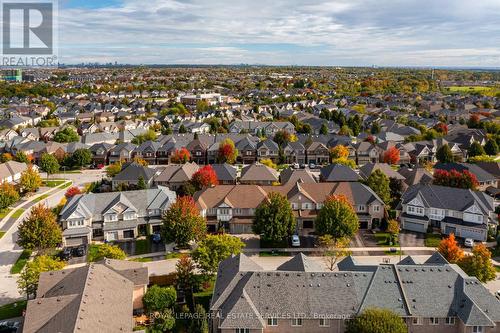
(121, 152)
(463, 212)
(114, 215)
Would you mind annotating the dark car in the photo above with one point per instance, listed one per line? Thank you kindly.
(80, 251)
(66, 253)
(9, 326)
(156, 238)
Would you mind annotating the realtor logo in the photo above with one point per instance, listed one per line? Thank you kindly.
(29, 33)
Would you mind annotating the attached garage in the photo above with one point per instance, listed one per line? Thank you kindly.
(415, 226)
(475, 234)
(363, 224)
(75, 241)
(240, 226)
(450, 230)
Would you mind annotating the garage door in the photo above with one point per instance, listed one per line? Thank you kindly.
(241, 228)
(413, 226)
(75, 241)
(450, 230)
(363, 224)
(474, 234)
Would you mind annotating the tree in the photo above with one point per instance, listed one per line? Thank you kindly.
(81, 157)
(475, 149)
(334, 249)
(393, 230)
(339, 152)
(396, 189)
(269, 163)
(199, 323)
(159, 298)
(39, 230)
(282, 138)
(324, 129)
(140, 161)
(444, 154)
(375, 129)
(114, 169)
(28, 279)
(441, 128)
(379, 183)
(274, 219)
(491, 147)
(66, 135)
(141, 184)
(6, 157)
(204, 177)
(227, 152)
(72, 191)
(22, 157)
(391, 156)
(479, 264)
(182, 129)
(149, 135)
(185, 278)
(182, 222)
(337, 218)
(49, 164)
(449, 249)
(214, 249)
(162, 321)
(8, 195)
(376, 320)
(454, 178)
(202, 106)
(345, 130)
(101, 251)
(473, 121)
(30, 180)
(180, 156)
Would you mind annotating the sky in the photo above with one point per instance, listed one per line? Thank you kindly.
(458, 33)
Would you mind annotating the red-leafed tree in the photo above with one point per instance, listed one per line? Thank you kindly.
(449, 248)
(182, 222)
(391, 156)
(227, 152)
(72, 191)
(204, 177)
(370, 139)
(181, 156)
(455, 178)
(441, 128)
(474, 121)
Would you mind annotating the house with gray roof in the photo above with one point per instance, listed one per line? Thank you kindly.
(338, 173)
(131, 173)
(301, 296)
(114, 215)
(463, 212)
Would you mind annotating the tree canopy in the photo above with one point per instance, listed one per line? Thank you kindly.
(376, 320)
(49, 164)
(39, 230)
(274, 219)
(30, 180)
(66, 135)
(337, 218)
(213, 249)
(182, 222)
(380, 184)
(28, 279)
(444, 154)
(449, 249)
(227, 152)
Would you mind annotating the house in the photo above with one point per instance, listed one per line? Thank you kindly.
(268, 149)
(7, 134)
(247, 151)
(463, 212)
(176, 175)
(11, 171)
(301, 296)
(147, 151)
(338, 173)
(114, 215)
(367, 152)
(81, 299)
(289, 176)
(131, 173)
(121, 152)
(258, 174)
(226, 173)
(317, 153)
(484, 178)
(233, 206)
(100, 152)
(414, 176)
(366, 170)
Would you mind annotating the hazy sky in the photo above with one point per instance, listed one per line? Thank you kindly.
(284, 32)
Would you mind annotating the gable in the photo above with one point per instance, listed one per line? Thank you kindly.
(416, 202)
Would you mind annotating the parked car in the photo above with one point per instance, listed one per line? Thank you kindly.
(296, 166)
(295, 240)
(80, 251)
(469, 242)
(66, 254)
(312, 166)
(8, 326)
(156, 238)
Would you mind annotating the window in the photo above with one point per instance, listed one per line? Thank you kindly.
(477, 329)
(295, 205)
(76, 223)
(296, 321)
(417, 321)
(450, 321)
(129, 216)
(324, 322)
(306, 205)
(242, 330)
(361, 208)
(110, 217)
(376, 208)
(434, 321)
(272, 321)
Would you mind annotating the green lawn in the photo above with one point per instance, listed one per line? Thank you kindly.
(21, 262)
(42, 197)
(53, 182)
(18, 213)
(382, 238)
(497, 268)
(2, 233)
(4, 213)
(432, 240)
(175, 255)
(141, 259)
(468, 89)
(142, 246)
(12, 310)
(68, 184)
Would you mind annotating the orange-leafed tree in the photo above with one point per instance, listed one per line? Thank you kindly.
(441, 128)
(450, 250)
(181, 156)
(72, 191)
(339, 151)
(204, 177)
(391, 156)
(479, 264)
(227, 152)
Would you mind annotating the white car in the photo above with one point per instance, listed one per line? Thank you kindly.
(469, 242)
(296, 166)
(295, 240)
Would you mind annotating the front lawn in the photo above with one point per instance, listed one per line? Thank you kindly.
(4, 213)
(12, 310)
(53, 182)
(175, 255)
(18, 213)
(383, 239)
(432, 240)
(40, 198)
(68, 184)
(21, 262)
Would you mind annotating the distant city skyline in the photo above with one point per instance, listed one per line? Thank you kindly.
(448, 33)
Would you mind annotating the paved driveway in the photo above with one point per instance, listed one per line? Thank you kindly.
(411, 239)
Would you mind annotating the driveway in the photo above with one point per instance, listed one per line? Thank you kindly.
(411, 239)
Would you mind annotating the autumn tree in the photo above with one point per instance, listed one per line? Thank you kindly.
(474, 121)
(334, 249)
(49, 164)
(185, 278)
(393, 230)
(22, 157)
(380, 184)
(30, 180)
(140, 161)
(8, 195)
(72, 191)
(337, 218)
(391, 156)
(182, 222)
(454, 178)
(227, 152)
(374, 320)
(449, 249)
(441, 128)
(101, 251)
(180, 156)
(274, 219)
(114, 169)
(39, 230)
(339, 151)
(479, 264)
(444, 154)
(282, 138)
(6, 157)
(204, 177)
(27, 282)
(213, 249)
